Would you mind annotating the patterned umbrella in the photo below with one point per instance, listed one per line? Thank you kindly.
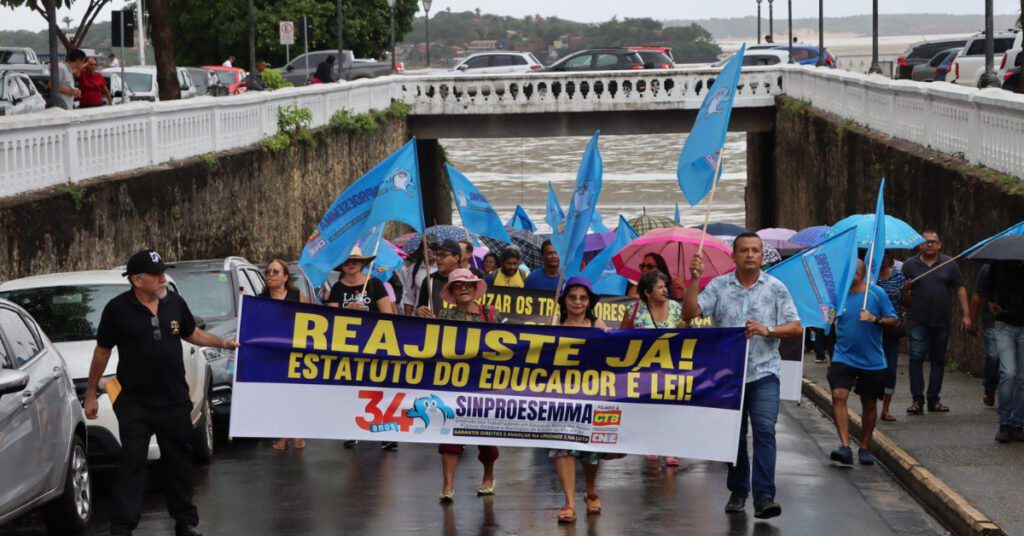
(677, 246)
(642, 224)
(778, 237)
(527, 242)
(809, 236)
(440, 232)
(898, 233)
(771, 254)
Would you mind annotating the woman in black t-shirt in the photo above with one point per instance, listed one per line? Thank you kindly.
(280, 286)
(349, 292)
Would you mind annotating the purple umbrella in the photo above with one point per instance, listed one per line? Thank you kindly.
(809, 236)
(595, 242)
(778, 237)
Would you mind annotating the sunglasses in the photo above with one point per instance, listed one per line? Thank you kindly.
(647, 266)
(155, 322)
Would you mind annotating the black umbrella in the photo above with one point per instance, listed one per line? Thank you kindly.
(1009, 247)
(727, 229)
(527, 242)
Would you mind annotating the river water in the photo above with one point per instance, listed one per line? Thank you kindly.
(639, 175)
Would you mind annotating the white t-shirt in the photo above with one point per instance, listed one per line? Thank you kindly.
(65, 79)
(227, 63)
(115, 63)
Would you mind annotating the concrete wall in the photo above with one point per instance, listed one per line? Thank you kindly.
(825, 169)
(248, 202)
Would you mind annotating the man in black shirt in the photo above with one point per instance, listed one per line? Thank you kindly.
(147, 324)
(1004, 298)
(447, 254)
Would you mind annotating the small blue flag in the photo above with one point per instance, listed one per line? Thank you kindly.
(387, 260)
(553, 213)
(597, 223)
(819, 278)
(876, 253)
(520, 220)
(677, 213)
(601, 270)
(388, 192)
(581, 208)
(699, 157)
(478, 216)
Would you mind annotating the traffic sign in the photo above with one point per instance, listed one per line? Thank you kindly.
(286, 28)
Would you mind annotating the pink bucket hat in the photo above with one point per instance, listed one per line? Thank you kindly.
(463, 275)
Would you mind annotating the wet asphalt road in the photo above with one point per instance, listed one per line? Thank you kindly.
(251, 489)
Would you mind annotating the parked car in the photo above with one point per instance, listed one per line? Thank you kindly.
(18, 95)
(969, 65)
(68, 307)
(1011, 55)
(497, 62)
(667, 51)
(602, 59)
(654, 59)
(808, 55)
(925, 72)
(212, 288)
(25, 61)
(942, 71)
(298, 71)
(758, 58)
(229, 78)
(1011, 80)
(141, 83)
(922, 52)
(202, 79)
(42, 429)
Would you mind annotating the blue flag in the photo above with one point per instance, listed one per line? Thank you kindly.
(553, 213)
(581, 208)
(387, 260)
(819, 278)
(478, 216)
(1017, 229)
(388, 192)
(601, 270)
(520, 220)
(876, 253)
(597, 223)
(703, 147)
(677, 214)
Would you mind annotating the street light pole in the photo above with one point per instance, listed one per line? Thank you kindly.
(821, 33)
(391, 6)
(426, 22)
(252, 37)
(54, 100)
(989, 79)
(771, 20)
(759, 22)
(789, 13)
(875, 68)
(341, 37)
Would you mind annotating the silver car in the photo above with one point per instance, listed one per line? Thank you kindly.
(18, 95)
(42, 429)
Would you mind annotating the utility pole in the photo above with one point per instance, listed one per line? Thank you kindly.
(51, 18)
(771, 20)
(989, 79)
(252, 37)
(790, 44)
(821, 33)
(341, 37)
(875, 68)
(140, 6)
(759, 22)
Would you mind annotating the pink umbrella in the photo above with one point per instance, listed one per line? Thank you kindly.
(677, 246)
(778, 237)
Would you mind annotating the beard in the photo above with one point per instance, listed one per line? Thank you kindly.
(162, 293)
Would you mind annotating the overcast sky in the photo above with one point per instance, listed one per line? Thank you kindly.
(600, 10)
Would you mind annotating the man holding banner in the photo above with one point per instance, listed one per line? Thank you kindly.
(762, 304)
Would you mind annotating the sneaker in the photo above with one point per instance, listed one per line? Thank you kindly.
(1017, 433)
(989, 399)
(1003, 435)
(351, 443)
(842, 455)
(766, 509)
(864, 457)
(737, 503)
(819, 359)
(389, 445)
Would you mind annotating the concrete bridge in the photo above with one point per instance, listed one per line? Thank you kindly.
(55, 147)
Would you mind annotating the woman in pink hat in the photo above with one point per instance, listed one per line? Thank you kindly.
(463, 290)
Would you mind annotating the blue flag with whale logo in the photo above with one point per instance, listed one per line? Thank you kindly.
(580, 216)
(478, 216)
(388, 192)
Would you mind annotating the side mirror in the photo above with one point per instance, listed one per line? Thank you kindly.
(463, 67)
(289, 68)
(200, 322)
(12, 381)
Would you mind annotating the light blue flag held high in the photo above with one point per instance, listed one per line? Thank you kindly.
(387, 260)
(521, 220)
(601, 270)
(478, 216)
(677, 214)
(581, 208)
(819, 278)
(703, 147)
(388, 192)
(553, 213)
(597, 223)
(876, 253)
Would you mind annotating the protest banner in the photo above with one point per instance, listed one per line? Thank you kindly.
(310, 371)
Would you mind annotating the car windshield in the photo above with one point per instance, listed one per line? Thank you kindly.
(209, 293)
(66, 313)
(139, 82)
(12, 57)
(225, 77)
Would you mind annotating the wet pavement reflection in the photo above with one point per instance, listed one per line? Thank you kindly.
(251, 489)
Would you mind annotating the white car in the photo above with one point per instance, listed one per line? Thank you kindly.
(1010, 57)
(42, 429)
(968, 67)
(497, 62)
(758, 56)
(68, 307)
(18, 94)
(142, 86)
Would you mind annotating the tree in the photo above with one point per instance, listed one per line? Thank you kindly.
(39, 6)
(163, 47)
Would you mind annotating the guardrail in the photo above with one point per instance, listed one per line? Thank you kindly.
(983, 126)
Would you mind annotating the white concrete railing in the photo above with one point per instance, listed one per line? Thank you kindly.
(580, 92)
(983, 126)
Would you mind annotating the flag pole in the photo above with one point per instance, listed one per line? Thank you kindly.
(423, 235)
(711, 199)
(558, 289)
(936, 267)
(867, 274)
(369, 271)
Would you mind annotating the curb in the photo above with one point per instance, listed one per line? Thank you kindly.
(950, 507)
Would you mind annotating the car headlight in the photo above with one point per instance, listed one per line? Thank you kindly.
(212, 354)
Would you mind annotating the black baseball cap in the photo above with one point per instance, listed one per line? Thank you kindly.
(448, 245)
(146, 261)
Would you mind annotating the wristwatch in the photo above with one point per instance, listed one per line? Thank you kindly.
(771, 331)
(878, 321)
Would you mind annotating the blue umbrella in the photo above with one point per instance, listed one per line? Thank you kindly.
(898, 233)
(809, 236)
(440, 232)
(726, 229)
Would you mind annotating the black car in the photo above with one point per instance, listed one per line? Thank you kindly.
(922, 52)
(601, 59)
(655, 60)
(1011, 80)
(212, 288)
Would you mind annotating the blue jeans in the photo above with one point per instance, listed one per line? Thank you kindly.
(1010, 345)
(761, 406)
(990, 377)
(927, 343)
(891, 347)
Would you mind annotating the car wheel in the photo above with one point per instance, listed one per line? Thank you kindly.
(202, 436)
(70, 513)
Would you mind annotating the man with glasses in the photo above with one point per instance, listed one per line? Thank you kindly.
(448, 254)
(92, 86)
(931, 301)
(147, 324)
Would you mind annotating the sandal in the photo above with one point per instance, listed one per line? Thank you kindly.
(280, 444)
(482, 491)
(446, 497)
(567, 515)
(915, 409)
(593, 504)
(888, 417)
(937, 408)
(300, 443)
